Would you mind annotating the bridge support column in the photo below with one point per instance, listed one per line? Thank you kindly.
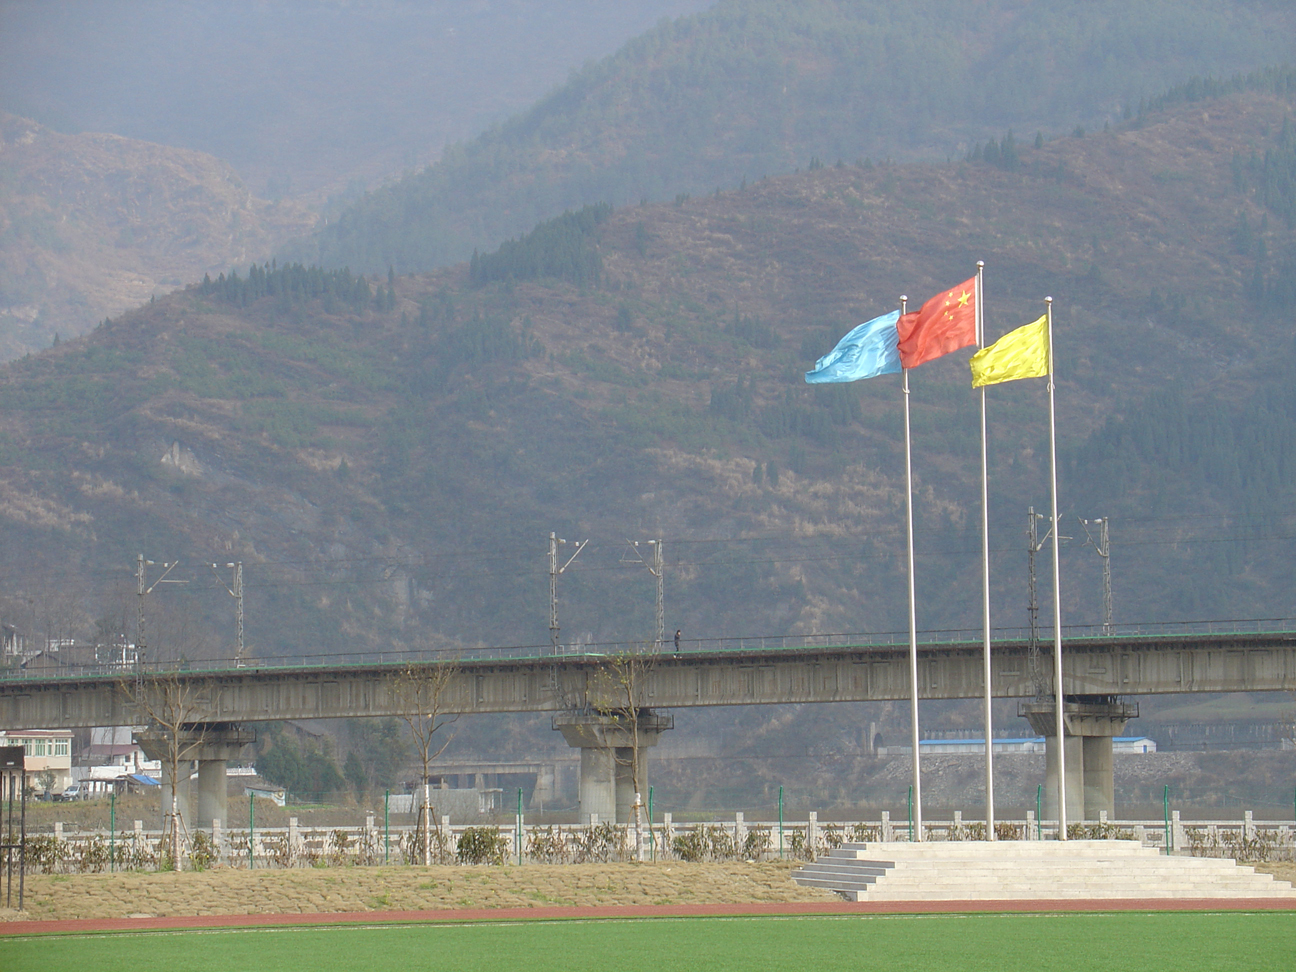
(212, 746)
(1099, 776)
(545, 786)
(607, 745)
(1074, 750)
(1089, 725)
(212, 792)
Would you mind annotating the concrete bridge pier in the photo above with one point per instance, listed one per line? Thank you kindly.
(212, 747)
(607, 745)
(1089, 725)
(546, 787)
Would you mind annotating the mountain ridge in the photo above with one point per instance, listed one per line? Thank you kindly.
(744, 90)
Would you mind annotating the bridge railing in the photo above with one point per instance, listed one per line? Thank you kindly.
(731, 839)
(16, 668)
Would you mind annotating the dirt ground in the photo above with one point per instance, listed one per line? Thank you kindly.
(227, 891)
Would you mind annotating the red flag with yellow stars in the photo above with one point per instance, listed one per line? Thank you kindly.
(945, 323)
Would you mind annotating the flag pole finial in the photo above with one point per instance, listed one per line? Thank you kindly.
(980, 264)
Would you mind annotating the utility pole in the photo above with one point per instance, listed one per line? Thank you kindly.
(1034, 544)
(141, 589)
(554, 571)
(139, 613)
(1103, 547)
(235, 591)
(656, 568)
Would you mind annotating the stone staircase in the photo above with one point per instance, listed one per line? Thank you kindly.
(1028, 870)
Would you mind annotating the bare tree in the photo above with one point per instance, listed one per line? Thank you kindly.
(423, 692)
(172, 706)
(620, 691)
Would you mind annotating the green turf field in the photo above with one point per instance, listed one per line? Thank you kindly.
(1129, 942)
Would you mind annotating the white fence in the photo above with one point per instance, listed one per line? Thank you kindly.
(738, 839)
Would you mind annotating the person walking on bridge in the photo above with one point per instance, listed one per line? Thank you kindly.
(677, 638)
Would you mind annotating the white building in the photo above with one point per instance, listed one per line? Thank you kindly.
(112, 757)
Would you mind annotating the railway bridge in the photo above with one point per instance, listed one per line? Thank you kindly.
(584, 689)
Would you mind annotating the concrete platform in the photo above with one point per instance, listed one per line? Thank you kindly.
(1020, 870)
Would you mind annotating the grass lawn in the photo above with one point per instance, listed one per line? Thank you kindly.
(1146, 942)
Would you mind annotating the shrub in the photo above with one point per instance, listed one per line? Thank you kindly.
(599, 843)
(202, 851)
(691, 846)
(1098, 831)
(547, 846)
(757, 843)
(482, 845)
(714, 843)
(863, 833)
(46, 854)
(336, 848)
(798, 846)
(1010, 831)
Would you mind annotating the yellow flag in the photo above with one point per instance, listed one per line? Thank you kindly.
(1023, 353)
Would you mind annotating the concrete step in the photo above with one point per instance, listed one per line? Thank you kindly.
(932, 864)
(981, 870)
(966, 872)
(956, 876)
(1136, 864)
(999, 849)
(826, 865)
(963, 879)
(840, 886)
(898, 884)
(1045, 894)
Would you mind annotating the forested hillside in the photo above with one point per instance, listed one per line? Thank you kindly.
(387, 455)
(92, 225)
(127, 171)
(747, 89)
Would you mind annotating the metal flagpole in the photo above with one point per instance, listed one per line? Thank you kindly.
(1058, 695)
(915, 832)
(985, 573)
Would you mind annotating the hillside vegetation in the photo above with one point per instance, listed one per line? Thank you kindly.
(387, 455)
(747, 89)
(92, 225)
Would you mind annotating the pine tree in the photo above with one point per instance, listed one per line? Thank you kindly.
(1008, 152)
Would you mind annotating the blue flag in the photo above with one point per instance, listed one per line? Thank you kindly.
(868, 350)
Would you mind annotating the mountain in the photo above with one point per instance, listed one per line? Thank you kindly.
(91, 225)
(759, 87)
(388, 455)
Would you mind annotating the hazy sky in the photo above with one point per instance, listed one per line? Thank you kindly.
(318, 92)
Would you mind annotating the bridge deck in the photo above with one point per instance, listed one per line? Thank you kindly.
(729, 672)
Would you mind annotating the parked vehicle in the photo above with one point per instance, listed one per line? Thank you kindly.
(74, 791)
